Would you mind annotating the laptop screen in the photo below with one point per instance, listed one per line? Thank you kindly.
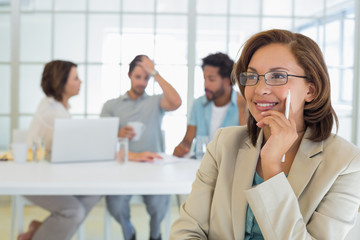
(76, 140)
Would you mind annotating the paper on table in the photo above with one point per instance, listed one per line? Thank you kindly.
(167, 159)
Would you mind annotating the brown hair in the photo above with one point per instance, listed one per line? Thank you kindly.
(134, 62)
(222, 61)
(319, 115)
(54, 78)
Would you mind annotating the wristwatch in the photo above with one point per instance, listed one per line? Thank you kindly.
(154, 72)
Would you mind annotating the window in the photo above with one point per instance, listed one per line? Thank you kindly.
(103, 36)
(5, 75)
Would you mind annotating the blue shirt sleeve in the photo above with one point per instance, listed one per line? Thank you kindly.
(192, 118)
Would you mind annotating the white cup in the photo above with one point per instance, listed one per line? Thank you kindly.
(19, 151)
(138, 127)
(122, 149)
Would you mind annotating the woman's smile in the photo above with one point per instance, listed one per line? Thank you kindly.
(264, 105)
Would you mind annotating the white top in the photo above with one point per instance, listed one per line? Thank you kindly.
(43, 121)
(217, 117)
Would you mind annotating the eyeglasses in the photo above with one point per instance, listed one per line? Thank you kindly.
(271, 78)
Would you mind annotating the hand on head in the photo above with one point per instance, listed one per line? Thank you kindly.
(146, 64)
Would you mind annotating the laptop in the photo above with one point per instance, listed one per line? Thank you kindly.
(84, 140)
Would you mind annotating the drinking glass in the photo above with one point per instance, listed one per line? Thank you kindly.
(38, 148)
(200, 148)
(122, 149)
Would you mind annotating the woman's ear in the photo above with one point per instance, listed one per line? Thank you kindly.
(310, 95)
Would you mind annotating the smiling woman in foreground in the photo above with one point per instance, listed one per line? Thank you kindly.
(243, 190)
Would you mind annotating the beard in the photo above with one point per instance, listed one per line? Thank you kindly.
(212, 96)
(138, 91)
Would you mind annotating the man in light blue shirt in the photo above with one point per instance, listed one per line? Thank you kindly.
(220, 107)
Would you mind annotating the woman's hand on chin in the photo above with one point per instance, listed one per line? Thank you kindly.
(280, 134)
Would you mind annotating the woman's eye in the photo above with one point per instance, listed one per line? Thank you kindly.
(252, 77)
(278, 76)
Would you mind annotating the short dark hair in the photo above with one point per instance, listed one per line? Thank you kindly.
(319, 114)
(54, 78)
(134, 62)
(220, 60)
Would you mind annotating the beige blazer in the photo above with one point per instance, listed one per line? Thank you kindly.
(318, 200)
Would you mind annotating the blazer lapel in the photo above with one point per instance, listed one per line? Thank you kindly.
(305, 163)
(245, 167)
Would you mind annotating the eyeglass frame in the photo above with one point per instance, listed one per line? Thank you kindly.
(258, 77)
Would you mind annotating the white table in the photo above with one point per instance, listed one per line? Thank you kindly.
(97, 178)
